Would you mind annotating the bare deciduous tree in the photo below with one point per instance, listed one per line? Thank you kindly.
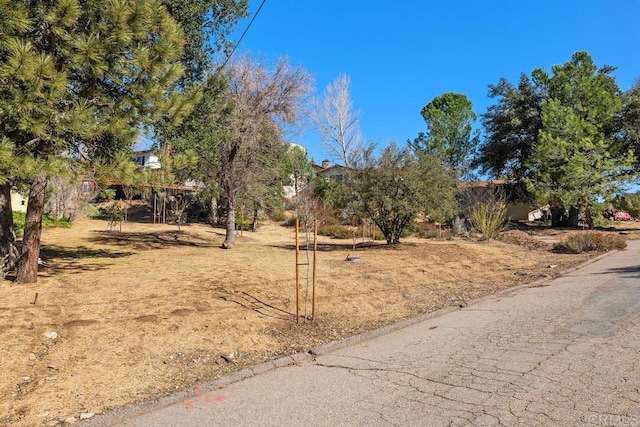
(337, 121)
(263, 99)
(307, 208)
(66, 197)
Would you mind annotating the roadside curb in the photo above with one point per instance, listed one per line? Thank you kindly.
(119, 415)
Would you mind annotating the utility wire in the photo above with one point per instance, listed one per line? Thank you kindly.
(242, 36)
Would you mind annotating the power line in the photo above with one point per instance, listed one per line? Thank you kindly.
(243, 34)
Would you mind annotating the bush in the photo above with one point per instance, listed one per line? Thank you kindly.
(336, 230)
(488, 218)
(115, 212)
(278, 215)
(460, 226)
(429, 230)
(377, 234)
(104, 211)
(18, 222)
(339, 231)
(92, 211)
(592, 241)
(47, 222)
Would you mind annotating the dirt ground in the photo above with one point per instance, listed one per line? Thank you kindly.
(138, 313)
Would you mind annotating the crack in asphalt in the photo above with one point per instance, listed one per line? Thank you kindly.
(520, 380)
(565, 354)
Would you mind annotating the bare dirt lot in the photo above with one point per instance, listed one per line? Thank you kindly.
(138, 313)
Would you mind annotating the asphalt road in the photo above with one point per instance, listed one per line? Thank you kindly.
(562, 353)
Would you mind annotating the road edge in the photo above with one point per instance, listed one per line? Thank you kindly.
(120, 414)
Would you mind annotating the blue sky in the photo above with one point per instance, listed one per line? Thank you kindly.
(400, 55)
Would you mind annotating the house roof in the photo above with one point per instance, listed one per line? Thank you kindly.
(325, 166)
(514, 191)
(190, 188)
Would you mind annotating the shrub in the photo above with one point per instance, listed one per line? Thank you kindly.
(47, 222)
(488, 218)
(115, 213)
(92, 211)
(592, 241)
(102, 211)
(376, 233)
(18, 222)
(278, 215)
(460, 226)
(336, 230)
(339, 231)
(429, 230)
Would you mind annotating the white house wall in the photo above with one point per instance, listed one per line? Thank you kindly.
(18, 203)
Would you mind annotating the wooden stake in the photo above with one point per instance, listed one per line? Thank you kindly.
(297, 273)
(313, 280)
(35, 300)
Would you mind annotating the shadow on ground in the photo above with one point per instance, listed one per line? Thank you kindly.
(59, 258)
(626, 272)
(156, 240)
(252, 303)
(341, 247)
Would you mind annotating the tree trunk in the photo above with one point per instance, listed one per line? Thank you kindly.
(558, 218)
(230, 238)
(8, 249)
(254, 224)
(28, 267)
(589, 218)
(213, 216)
(574, 217)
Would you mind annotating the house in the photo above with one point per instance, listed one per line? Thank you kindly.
(328, 171)
(519, 202)
(147, 159)
(18, 202)
(325, 170)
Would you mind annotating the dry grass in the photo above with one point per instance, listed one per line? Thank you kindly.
(139, 313)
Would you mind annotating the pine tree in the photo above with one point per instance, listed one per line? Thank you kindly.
(578, 159)
(78, 77)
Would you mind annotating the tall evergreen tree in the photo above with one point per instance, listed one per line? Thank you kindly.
(561, 133)
(79, 77)
(630, 121)
(511, 126)
(578, 157)
(206, 25)
(449, 119)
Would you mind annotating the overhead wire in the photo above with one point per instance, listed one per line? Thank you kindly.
(244, 33)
